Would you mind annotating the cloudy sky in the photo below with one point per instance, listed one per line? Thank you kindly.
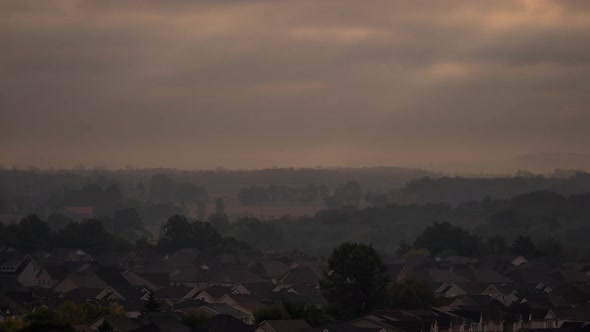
(247, 84)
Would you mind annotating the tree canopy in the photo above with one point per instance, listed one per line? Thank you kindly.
(357, 279)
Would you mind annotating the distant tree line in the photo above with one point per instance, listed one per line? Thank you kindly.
(32, 234)
(280, 194)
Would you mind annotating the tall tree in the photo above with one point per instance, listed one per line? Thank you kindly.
(152, 303)
(523, 245)
(497, 245)
(411, 294)
(441, 237)
(357, 279)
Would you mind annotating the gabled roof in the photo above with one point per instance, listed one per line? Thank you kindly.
(473, 288)
(438, 276)
(221, 309)
(173, 292)
(12, 259)
(58, 256)
(56, 272)
(215, 291)
(243, 298)
(191, 274)
(499, 263)
(13, 306)
(394, 269)
(142, 257)
(533, 274)
(80, 295)
(110, 259)
(269, 269)
(286, 295)
(188, 304)
(301, 275)
(85, 280)
(263, 287)
(150, 280)
(234, 274)
(483, 275)
(192, 257)
(472, 300)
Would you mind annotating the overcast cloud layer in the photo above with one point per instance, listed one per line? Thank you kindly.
(246, 84)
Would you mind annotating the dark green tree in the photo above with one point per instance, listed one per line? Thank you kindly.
(58, 221)
(152, 304)
(523, 245)
(441, 237)
(205, 236)
(177, 233)
(44, 319)
(404, 248)
(411, 294)
(357, 279)
(30, 234)
(128, 222)
(219, 206)
(194, 320)
(270, 312)
(313, 315)
(89, 235)
(497, 245)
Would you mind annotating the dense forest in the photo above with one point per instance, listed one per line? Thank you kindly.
(135, 206)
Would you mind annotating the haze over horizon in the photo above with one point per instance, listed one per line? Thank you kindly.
(256, 84)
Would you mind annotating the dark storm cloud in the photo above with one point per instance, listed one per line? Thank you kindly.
(303, 83)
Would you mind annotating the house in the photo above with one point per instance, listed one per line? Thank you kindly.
(311, 294)
(264, 287)
(192, 277)
(505, 293)
(436, 277)
(213, 293)
(455, 289)
(302, 275)
(9, 308)
(149, 280)
(536, 314)
(50, 276)
(192, 258)
(483, 275)
(58, 256)
(19, 266)
(142, 258)
(173, 294)
(502, 263)
(271, 270)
